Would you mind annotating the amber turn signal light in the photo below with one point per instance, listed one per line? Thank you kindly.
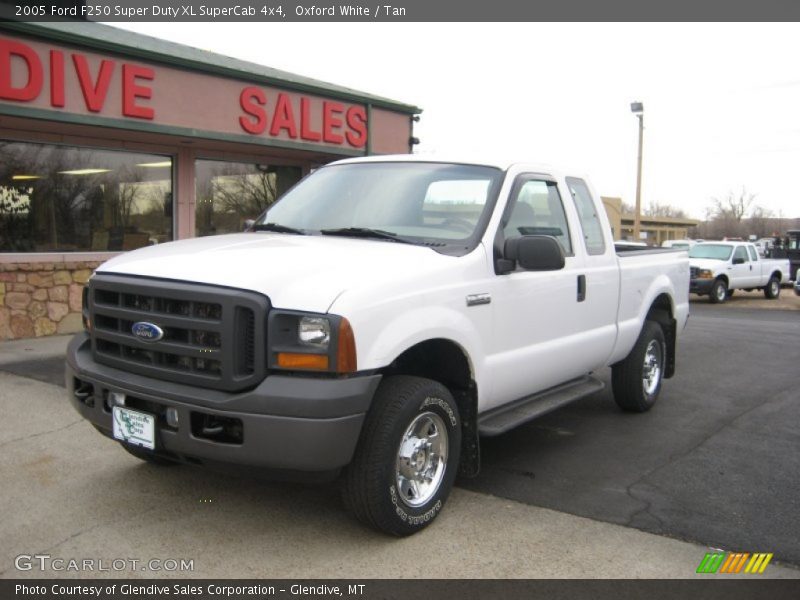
(346, 349)
(293, 360)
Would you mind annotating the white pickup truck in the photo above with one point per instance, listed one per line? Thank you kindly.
(377, 320)
(719, 268)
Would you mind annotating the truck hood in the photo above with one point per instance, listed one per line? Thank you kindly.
(707, 263)
(296, 272)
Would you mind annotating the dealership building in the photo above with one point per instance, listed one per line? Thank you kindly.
(110, 141)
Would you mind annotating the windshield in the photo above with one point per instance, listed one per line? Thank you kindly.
(427, 203)
(714, 251)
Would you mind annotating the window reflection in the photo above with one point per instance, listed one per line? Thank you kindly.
(230, 193)
(64, 199)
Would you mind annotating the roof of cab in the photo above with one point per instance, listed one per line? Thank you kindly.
(502, 164)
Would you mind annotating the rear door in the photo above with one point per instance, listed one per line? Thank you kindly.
(758, 277)
(598, 310)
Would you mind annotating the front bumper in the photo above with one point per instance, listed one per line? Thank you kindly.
(701, 286)
(288, 423)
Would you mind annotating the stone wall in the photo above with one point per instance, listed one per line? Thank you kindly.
(41, 298)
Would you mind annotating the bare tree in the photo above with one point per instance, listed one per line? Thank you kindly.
(733, 207)
(760, 221)
(658, 209)
(724, 215)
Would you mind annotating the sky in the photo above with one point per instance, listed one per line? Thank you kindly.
(721, 101)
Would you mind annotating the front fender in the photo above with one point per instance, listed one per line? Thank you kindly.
(379, 341)
(405, 330)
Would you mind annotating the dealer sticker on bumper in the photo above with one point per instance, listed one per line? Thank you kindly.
(134, 427)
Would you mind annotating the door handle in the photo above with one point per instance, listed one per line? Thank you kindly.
(581, 288)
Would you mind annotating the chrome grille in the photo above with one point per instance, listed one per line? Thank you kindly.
(209, 336)
(693, 272)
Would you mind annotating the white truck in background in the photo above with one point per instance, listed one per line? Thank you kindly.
(719, 268)
(376, 321)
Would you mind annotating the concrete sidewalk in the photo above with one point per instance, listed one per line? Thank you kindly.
(72, 494)
(15, 351)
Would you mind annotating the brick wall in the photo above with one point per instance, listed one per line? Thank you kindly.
(42, 298)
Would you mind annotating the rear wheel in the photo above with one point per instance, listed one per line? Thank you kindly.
(719, 292)
(773, 289)
(636, 381)
(407, 457)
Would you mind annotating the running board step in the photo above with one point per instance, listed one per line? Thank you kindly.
(504, 418)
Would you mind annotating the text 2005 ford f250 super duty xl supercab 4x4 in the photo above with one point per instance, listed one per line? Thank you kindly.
(378, 319)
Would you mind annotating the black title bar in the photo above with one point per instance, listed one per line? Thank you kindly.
(278, 11)
(393, 589)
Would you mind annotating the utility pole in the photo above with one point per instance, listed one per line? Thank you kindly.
(637, 108)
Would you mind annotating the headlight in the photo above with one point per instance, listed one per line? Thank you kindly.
(310, 342)
(705, 274)
(314, 331)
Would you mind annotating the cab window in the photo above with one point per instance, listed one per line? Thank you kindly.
(753, 253)
(587, 213)
(537, 209)
(740, 253)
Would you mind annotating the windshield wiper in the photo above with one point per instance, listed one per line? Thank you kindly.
(278, 228)
(366, 232)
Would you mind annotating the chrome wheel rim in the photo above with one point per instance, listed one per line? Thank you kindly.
(773, 287)
(721, 293)
(421, 459)
(651, 371)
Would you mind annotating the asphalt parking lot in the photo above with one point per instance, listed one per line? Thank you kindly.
(584, 492)
(716, 461)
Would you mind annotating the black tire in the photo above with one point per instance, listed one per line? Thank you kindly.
(374, 486)
(719, 292)
(633, 391)
(729, 294)
(773, 288)
(147, 455)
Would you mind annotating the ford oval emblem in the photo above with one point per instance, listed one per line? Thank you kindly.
(147, 332)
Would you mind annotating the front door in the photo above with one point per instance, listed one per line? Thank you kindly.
(537, 336)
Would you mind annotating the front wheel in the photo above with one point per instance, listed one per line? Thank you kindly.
(719, 292)
(636, 381)
(407, 457)
(773, 289)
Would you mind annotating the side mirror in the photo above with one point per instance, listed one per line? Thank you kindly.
(535, 253)
(738, 261)
(248, 224)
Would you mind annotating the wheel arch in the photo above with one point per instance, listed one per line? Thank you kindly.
(447, 362)
(662, 312)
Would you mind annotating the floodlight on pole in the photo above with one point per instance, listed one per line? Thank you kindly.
(637, 108)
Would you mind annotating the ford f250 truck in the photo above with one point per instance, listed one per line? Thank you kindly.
(719, 268)
(374, 323)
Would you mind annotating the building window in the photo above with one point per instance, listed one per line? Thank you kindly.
(71, 199)
(230, 193)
